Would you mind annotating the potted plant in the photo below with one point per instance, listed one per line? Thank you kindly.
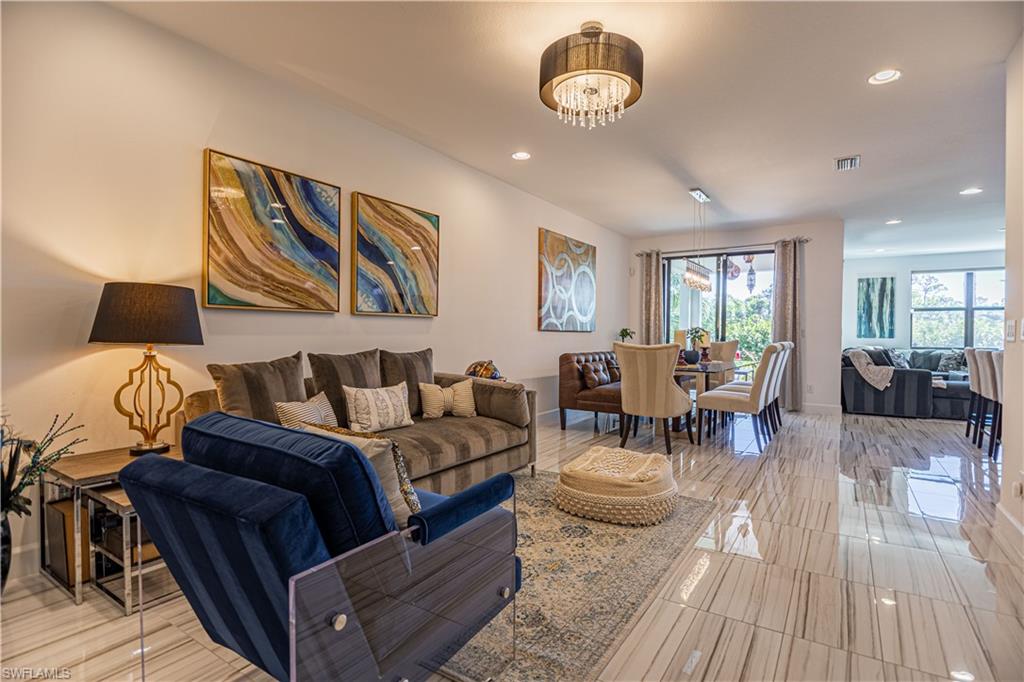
(695, 335)
(626, 333)
(23, 462)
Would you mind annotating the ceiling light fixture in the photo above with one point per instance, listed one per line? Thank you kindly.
(894, 221)
(878, 251)
(591, 77)
(698, 276)
(885, 76)
(971, 190)
(521, 156)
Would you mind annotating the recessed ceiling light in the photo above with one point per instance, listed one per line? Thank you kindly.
(521, 156)
(278, 221)
(417, 248)
(277, 205)
(391, 262)
(961, 675)
(888, 602)
(894, 221)
(971, 190)
(878, 251)
(884, 76)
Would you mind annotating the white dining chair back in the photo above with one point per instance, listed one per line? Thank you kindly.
(986, 374)
(997, 361)
(973, 373)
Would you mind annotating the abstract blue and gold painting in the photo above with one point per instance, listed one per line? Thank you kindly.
(272, 239)
(395, 251)
(567, 288)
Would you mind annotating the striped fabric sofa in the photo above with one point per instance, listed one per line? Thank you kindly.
(444, 455)
(912, 392)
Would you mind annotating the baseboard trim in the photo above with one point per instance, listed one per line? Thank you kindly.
(823, 409)
(1009, 534)
(544, 412)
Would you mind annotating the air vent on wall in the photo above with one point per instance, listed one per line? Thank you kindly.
(847, 163)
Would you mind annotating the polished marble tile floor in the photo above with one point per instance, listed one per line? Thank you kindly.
(854, 548)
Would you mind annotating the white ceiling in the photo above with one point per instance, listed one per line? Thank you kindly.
(750, 101)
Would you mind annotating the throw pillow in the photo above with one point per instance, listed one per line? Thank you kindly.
(378, 409)
(331, 372)
(412, 368)
(614, 373)
(456, 400)
(878, 357)
(250, 389)
(316, 410)
(595, 374)
(899, 360)
(952, 361)
(387, 461)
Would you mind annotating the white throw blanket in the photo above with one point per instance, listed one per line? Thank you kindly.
(878, 376)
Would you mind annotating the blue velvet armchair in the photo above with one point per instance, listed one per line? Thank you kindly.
(285, 546)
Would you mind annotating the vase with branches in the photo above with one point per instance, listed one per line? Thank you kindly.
(24, 462)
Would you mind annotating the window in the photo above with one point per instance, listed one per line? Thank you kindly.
(957, 308)
(739, 305)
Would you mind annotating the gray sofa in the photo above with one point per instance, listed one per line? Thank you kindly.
(911, 393)
(449, 454)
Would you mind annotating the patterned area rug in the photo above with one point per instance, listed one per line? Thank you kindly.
(583, 583)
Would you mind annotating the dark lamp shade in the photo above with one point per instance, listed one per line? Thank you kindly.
(133, 312)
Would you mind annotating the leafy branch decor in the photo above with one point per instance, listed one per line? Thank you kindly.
(626, 333)
(15, 477)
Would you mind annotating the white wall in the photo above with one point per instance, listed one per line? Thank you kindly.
(900, 267)
(1010, 522)
(822, 302)
(104, 122)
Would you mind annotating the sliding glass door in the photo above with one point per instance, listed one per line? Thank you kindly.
(738, 306)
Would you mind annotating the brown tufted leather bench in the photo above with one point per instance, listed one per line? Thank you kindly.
(573, 393)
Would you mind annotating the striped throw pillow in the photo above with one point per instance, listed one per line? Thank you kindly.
(316, 410)
(456, 400)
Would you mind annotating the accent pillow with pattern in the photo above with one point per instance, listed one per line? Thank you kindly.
(456, 400)
(378, 409)
(387, 461)
(954, 361)
(899, 360)
(316, 410)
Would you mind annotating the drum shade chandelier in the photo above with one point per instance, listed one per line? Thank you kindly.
(591, 77)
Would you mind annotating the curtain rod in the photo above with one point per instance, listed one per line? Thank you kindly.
(728, 250)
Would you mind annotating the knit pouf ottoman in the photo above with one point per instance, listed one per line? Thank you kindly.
(618, 486)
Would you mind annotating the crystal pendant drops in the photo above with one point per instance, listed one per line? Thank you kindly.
(590, 100)
(697, 276)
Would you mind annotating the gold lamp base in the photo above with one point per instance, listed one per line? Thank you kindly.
(158, 448)
(147, 408)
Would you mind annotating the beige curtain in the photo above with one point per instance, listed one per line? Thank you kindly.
(786, 315)
(652, 328)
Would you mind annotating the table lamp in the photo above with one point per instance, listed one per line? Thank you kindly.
(138, 313)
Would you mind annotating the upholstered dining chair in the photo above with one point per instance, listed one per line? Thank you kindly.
(974, 384)
(773, 413)
(753, 401)
(649, 388)
(989, 399)
(723, 351)
(996, 437)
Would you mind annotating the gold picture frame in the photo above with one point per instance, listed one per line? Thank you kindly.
(308, 275)
(399, 273)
